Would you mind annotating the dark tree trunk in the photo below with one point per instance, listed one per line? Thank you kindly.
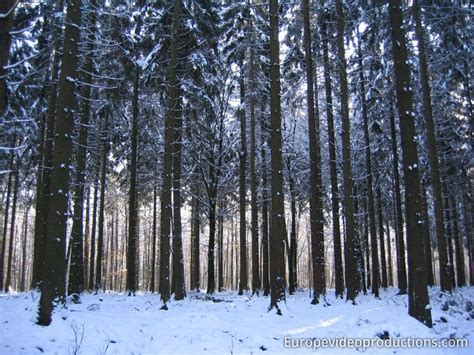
(7, 9)
(338, 263)
(389, 254)
(101, 225)
(95, 202)
(76, 271)
(400, 241)
(277, 224)
(427, 239)
(211, 286)
(178, 258)
(195, 242)
(220, 246)
(24, 251)
(153, 242)
(368, 182)
(243, 280)
(291, 245)
(166, 207)
(383, 257)
(5, 220)
(55, 242)
(265, 236)
(132, 251)
(42, 200)
(418, 301)
(350, 235)
(445, 277)
(458, 245)
(315, 199)
(253, 177)
(16, 186)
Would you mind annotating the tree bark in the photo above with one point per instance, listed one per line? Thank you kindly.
(400, 241)
(100, 262)
(315, 199)
(338, 263)
(277, 224)
(350, 235)
(7, 10)
(418, 301)
(243, 280)
(55, 243)
(444, 271)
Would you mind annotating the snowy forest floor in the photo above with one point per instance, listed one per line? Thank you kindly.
(112, 323)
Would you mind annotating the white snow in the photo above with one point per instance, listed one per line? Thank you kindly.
(114, 323)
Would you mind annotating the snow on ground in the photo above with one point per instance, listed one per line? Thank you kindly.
(113, 323)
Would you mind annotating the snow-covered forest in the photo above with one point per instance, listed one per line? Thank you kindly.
(235, 173)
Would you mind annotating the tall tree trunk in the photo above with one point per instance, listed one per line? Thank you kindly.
(95, 202)
(153, 242)
(265, 236)
(211, 251)
(55, 243)
(458, 244)
(195, 242)
(76, 271)
(291, 245)
(24, 266)
(389, 253)
(400, 241)
(42, 200)
(243, 280)
(427, 239)
(6, 217)
(16, 186)
(350, 235)
(316, 207)
(468, 220)
(178, 258)
(383, 257)
(338, 263)
(133, 244)
(369, 177)
(7, 12)
(277, 224)
(449, 234)
(100, 262)
(444, 272)
(256, 285)
(220, 246)
(166, 208)
(418, 301)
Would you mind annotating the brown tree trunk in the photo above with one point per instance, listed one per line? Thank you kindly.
(100, 262)
(400, 241)
(383, 257)
(368, 182)
(179, 286)
(256, 285)
(195, 242)
(16, 186)
(7, 12)
(338, 263)
(153, 242)
(277, 224)
(55, 242)
(350, 234)
(265, 236)
(445, 276)
(315, 199)
(243, 280)
(418, 301)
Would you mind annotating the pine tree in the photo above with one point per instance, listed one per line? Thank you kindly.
(277, 224)
(418, 306)
(55, 244)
